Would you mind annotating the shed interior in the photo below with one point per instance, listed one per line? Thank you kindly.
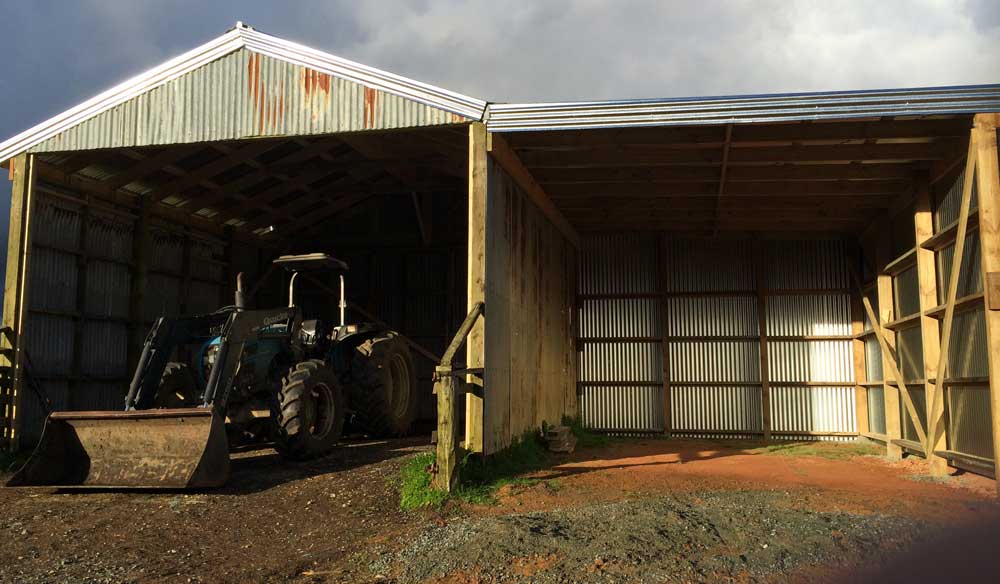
(122, 236)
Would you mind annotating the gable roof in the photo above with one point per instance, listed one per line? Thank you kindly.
(315, 68)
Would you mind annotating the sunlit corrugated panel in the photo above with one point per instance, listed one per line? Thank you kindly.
(970, 279)
(812, 409)
(968, 353)
(634, 408)
(947, 205)
(969, 420)
(810, 361)
(715, 361)
(701, 408)
(800, 315)
(873, 359)
(246, 95)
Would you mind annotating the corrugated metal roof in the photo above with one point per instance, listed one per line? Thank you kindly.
(744, 108)
(119, 129)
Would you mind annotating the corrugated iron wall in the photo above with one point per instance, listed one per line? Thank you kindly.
(78, 332)
(695, 304)
(246, 95)
(530, 303)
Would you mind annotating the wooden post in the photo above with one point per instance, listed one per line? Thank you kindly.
(988, 184)
(665, 340)
(893, 428)
(475, 347)
(765, 383)
(930, 341)
(444, 387)
(17, 280)
(858, 358)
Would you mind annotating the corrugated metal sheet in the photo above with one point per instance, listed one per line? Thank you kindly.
(968, 353)
(876, 410)
(246, 95)
(622, 408)
(969, 420)
(810, 361)
(947, 205)
(730, 261)
(112, 118)
(716, 408)
(744, 109)
(712, 316)
(919, 396)
(970, 279)
(909, 352)
(816, 315)
(906, 292)
(715, 361)
(812, 409)
(108, 354)
(873, 359)
(811, 264)
(619, 264)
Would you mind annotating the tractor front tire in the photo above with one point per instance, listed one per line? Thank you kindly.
(177, 387)
(310, 416)
(384, 386)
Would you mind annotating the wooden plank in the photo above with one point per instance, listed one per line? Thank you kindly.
(935, 416)
(757, 173)
(445, 461)
(723, 170)
(988, 186)
(505, 156)
(930, 341)
(17, 278)
(858, 354)
(837, 190)
(765, 387)
(887, 343)
(475, 346)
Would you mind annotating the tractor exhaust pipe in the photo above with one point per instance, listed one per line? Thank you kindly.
(343, 302)
(240, 300)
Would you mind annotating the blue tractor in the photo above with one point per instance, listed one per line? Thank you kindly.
(208, 383)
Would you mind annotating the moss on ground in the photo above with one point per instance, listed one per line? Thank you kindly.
(480, 477)
(829, 450)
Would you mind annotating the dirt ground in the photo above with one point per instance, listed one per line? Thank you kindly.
(632, 511)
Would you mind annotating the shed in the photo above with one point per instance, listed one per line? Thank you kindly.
(767, 266)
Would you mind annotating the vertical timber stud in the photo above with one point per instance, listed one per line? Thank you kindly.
(858, 354)
(16, 284)
(988, 185)
(893, 427)
(475, 346)
(923, 226)
(668, 426)
(765, 384)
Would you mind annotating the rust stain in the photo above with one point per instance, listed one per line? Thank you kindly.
(457, 118)
(315, 91)
(371, 99)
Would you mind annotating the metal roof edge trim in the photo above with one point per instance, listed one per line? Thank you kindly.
(425, 93)
(219, 47)
(744, 109)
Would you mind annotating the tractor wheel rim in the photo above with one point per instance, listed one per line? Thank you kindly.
(323, 413)
(399, 386)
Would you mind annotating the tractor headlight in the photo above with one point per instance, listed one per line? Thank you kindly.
(209, 358)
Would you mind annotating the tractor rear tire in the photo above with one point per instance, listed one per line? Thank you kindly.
(384, 386)
(177, 387)
(310, 416)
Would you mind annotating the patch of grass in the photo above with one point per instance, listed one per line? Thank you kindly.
(416, 490)
(830, 450)
(585, 438)
(479, 477)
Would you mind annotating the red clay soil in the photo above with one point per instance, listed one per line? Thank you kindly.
(335, 520)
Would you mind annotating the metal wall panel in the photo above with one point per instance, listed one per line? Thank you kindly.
(906, 293)
(712, 316)
(968, 353)
(708, 266)
(811, 264)
(919, 396)
(636, 408)
(812, 409)
(873, 359)
(909, 353)
(876, 410)
(970, 280)
(810, 361)
(715, 362)
(700, 408)
(109, 288)
(107, 357)
(820, 315)
(620, 317)
(970, 423)
(246, 95)
(619, 264)
(947, 203)
(621, 362)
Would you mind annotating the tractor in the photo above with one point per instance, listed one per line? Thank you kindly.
(234, 378)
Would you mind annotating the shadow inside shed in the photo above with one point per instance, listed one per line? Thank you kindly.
(391, 204)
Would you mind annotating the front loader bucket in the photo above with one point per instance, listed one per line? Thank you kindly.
(157, 449)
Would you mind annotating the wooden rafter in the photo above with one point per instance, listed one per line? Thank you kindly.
(202, 175)
(723, 170)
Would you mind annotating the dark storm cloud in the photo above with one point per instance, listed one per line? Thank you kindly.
(57, 54)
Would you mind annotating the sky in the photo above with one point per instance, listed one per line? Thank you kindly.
(57, 54)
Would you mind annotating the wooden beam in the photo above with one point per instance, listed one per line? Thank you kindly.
(723, 170)
(760, 172)
(505, 156)
(15, 298)
(476, 293)
(930, 341)
(750, 189)
(230, 159)
(423, 209)
(988, 187)
(935, 419)
(765, 384)
(145, 165)
(858, 354)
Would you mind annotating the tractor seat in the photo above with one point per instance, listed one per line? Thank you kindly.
(310, 262)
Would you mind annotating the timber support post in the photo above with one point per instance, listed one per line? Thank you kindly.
(15, 293)
(476, 293)
(988, 186)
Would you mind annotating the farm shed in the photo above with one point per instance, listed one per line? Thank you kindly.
(689, 267)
